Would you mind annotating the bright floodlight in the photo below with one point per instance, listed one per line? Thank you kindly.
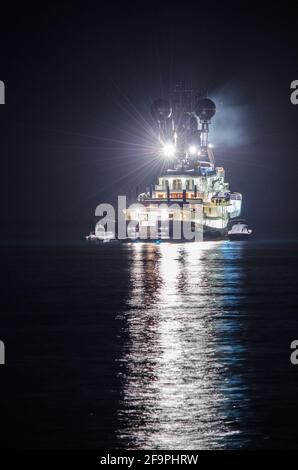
(168, 150)
(192, 150)
(210, 146)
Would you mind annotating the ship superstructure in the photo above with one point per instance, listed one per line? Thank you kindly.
(191, 188)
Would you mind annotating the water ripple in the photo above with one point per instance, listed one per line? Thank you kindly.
(178, 388)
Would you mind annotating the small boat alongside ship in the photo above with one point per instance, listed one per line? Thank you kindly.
(239, 232)
(100, 235)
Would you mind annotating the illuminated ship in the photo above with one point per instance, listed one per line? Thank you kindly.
(192, 189)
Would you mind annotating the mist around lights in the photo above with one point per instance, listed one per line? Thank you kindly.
(193, 150)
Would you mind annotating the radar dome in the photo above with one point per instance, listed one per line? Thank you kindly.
(205, 109)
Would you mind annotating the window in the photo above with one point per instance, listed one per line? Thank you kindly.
(177, 184)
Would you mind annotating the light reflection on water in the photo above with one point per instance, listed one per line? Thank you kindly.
(181, 362)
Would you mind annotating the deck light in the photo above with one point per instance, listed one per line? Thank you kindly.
(168, 150)
(192, 150)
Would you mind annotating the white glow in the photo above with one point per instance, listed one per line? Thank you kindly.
(193, 150)
(168, 150)
(210, 146)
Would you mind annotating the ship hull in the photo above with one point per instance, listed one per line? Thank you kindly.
(207, 234)
(238, 237)
(214, 233)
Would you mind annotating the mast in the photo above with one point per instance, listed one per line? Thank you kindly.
(183, 127)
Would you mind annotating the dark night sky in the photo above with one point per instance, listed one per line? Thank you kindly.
(79, 82)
